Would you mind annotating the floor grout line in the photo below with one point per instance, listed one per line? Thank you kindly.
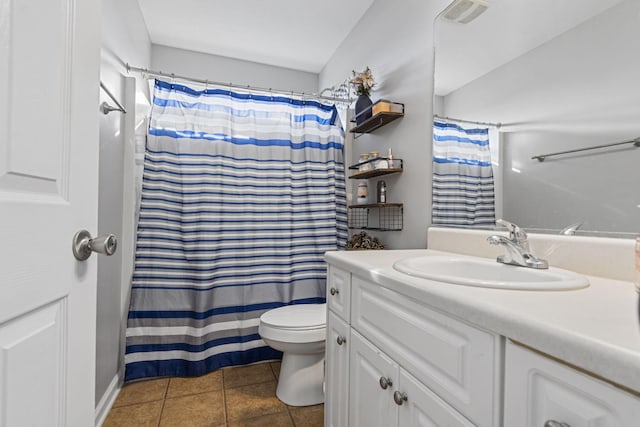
(293, 423)
(224, 398)
(226, 422)
(164, 399)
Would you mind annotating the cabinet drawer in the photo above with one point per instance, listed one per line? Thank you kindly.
(458, 362)
(539, 389)
(339, 291)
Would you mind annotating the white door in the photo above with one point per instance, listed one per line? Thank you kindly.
(49, 86)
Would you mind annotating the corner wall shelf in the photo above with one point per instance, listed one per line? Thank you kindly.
(374, 172)
(380, 118)
(396, 166)
(375, 122)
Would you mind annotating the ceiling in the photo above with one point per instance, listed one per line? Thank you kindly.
(297, 34)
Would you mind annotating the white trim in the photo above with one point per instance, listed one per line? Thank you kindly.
(108, 398)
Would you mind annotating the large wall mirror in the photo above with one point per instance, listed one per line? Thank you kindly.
(553, 76)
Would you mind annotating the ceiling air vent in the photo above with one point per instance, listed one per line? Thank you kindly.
(465, 11)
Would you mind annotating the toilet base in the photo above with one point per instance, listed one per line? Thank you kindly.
(300, 380)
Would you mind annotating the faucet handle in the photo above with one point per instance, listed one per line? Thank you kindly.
(516, 233)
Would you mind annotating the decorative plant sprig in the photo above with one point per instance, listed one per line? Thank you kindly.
(363, 81)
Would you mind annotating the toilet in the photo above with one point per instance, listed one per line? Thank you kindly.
(299, 332)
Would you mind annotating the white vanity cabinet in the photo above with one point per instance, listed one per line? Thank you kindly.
(456, 361)
(402, 360)
(403, 363)
(540, 391)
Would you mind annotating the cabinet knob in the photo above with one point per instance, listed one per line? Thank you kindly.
(385, 382)
(399, 397)
(553, 423)
(334, 291)
(341, 340)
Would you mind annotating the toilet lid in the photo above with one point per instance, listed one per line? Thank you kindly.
(297, 316)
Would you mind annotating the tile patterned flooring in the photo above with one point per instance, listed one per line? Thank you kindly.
(231, 397)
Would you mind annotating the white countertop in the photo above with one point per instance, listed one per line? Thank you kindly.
(596, 328)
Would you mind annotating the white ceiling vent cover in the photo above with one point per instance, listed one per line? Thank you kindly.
(465, 11)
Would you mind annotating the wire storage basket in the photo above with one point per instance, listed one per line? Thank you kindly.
(358, 218)
(391, 218)
(377, 216)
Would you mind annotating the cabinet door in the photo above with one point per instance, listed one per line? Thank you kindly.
(539, 389)
(423, 408)
(339, 291)
(454, 359)
(369, 404)
(337, 372)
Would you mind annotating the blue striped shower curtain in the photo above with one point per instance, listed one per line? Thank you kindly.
(463, 191)
(242, 194)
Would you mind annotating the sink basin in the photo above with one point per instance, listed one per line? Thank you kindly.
(489, 273)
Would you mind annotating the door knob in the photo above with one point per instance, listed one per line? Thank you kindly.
(341, 340)
(84, 245)
(334, 291)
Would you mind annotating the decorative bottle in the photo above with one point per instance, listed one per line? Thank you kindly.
(382, 192)
(362, 192)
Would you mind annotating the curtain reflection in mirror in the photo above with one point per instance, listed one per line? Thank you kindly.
(463, 186)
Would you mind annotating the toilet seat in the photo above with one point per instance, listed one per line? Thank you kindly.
(297, 323)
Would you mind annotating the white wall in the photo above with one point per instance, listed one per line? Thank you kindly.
(124, 39)
(395, 39)
(228, 70)
(109, 221)
(579, 90)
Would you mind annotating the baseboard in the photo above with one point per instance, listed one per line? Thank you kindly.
(106, 402)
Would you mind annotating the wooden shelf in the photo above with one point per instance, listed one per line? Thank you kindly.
(377, 205)
(371, 173)
(374, 172)
(376, 122)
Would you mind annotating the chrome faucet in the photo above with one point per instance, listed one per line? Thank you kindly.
(516, 246)
(571, 230)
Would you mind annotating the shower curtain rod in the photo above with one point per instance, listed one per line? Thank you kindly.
(467, 121)
(153, 73)
(105, 107)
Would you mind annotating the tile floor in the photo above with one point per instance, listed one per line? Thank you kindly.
(231, 397)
